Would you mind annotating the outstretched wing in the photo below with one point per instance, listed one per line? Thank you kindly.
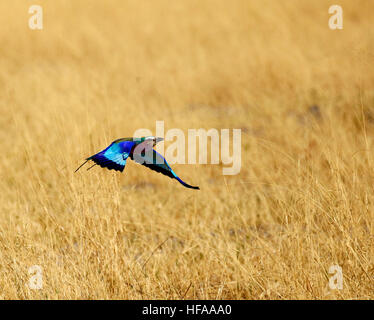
(110, 160)
(113, 157)
(155, 161)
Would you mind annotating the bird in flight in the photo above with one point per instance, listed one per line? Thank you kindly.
(139, 150)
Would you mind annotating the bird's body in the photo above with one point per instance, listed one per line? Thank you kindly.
(140, 150)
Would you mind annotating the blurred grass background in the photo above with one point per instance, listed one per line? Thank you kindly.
(301, 93)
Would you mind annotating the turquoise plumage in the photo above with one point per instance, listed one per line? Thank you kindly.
(140, 150)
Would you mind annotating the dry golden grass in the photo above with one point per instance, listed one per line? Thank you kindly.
(99, 70)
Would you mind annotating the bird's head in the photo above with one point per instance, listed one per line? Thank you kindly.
(154, 140)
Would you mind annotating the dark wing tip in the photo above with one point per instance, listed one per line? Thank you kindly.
(189, 186)
(192, 187)
(108, 164)
(185, 184)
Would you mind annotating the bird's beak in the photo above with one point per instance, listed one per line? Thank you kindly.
(157, 140)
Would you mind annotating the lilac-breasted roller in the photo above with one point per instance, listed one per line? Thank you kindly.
(140, 150)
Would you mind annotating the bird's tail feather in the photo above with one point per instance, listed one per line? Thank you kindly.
(81, 165)
(92, 166)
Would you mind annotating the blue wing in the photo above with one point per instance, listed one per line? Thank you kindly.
(113, 157)
(157, 162)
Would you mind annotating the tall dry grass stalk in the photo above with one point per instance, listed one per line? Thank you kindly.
(301, 93)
